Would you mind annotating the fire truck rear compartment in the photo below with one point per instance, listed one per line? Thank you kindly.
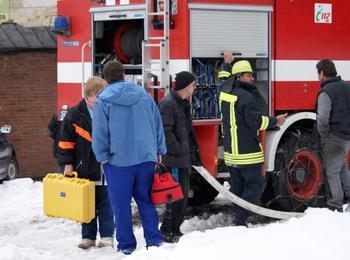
(119, 40)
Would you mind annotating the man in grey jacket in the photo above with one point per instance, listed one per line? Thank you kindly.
(333, 124)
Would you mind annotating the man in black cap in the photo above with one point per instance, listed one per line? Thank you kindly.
(182, 149)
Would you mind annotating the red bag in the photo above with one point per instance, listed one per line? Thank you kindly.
(165, 189)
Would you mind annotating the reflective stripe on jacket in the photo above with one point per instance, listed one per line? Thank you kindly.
(75, 143)
(225, 71)
(242, 119)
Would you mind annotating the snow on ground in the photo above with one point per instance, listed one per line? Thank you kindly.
(26, 233)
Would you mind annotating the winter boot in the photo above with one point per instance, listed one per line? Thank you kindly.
(126, 251)
(170, 238)
(257, 220)
(105, 242)
(86, 243)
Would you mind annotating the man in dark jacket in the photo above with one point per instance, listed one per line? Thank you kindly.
(242, 119)
(75, 154)
(182, 149)
(333, 124)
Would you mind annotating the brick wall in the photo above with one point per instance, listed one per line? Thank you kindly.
(27, 101)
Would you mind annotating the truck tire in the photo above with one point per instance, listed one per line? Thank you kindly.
(298, 180)
(201, 191)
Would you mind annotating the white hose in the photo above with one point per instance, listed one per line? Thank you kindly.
(242, 203)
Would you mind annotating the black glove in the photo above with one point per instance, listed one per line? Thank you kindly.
(275, 128)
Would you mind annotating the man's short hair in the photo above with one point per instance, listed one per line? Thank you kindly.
(328, 68)
(113, 71)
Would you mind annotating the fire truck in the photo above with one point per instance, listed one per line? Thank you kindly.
(155, 39)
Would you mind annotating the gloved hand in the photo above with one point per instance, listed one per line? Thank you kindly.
(275, 128)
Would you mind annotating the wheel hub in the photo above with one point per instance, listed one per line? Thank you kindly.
(304, 175)
(11, 171)
(299, 175)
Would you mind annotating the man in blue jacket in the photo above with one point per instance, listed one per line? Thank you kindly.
(128, 139)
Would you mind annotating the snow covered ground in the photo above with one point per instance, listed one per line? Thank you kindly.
(26, 233)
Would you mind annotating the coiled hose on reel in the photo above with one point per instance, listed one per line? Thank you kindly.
(128, 43)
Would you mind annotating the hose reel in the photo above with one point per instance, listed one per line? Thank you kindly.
(128, 43)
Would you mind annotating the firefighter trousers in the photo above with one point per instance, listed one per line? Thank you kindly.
(247, 183)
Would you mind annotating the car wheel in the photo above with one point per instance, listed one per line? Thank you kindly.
(12, 169)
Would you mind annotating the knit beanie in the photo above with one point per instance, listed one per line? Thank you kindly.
(183, 79)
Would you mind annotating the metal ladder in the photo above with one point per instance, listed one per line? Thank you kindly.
(158, 69)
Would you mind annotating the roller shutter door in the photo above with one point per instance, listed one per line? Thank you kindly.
(213, 31)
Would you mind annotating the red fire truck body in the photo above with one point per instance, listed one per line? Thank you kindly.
(283, 40)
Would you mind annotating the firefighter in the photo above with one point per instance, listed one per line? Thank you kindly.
(75, 154)
(226, 67)
(242, 119)
(333, 124)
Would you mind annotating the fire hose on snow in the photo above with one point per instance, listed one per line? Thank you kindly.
(242, 203)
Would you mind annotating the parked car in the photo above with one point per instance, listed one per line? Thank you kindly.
(8, 162)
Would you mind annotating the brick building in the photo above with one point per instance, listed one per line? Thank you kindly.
(28, 13)
(28, 74)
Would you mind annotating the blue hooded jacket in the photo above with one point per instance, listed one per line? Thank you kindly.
(127, 127)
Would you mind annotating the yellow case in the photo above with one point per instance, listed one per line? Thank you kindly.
(71, 198)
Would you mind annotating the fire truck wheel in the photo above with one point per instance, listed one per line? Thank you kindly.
(202, 192)
(297, 181)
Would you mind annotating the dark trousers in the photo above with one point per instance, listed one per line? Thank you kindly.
(104, 216)
(175, 211)
(247, 183)
(125, 183)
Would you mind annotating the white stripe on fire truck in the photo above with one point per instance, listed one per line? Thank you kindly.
(71, 72)
(282, 70)
(121, 2)
(304, 70)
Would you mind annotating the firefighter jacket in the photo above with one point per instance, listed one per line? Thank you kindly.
(242, 119)
(179, 135)
(225, 71)
(252, 90)
(75, 143)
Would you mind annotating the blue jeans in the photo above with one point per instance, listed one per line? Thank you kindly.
(125, 183)
(104, 215)
(247, 183)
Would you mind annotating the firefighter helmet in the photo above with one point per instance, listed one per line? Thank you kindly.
(241, 67)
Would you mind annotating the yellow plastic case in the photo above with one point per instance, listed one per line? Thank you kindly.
(69, 197)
